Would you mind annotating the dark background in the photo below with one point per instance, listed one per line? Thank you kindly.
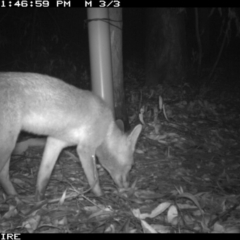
(61, 32)
(55, 41)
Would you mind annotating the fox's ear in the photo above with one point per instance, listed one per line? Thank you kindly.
(120, 124)
(133, 137)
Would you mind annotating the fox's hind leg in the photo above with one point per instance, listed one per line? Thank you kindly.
(5, 181)
(8, 140)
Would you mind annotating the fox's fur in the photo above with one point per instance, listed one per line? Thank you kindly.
(67, 116)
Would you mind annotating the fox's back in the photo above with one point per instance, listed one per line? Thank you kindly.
(45, 105)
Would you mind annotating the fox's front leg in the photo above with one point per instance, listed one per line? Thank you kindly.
(87, 158)
(51, 152)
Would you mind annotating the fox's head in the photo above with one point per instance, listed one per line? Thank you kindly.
(116, 153)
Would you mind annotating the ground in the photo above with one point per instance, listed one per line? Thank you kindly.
(185, 177)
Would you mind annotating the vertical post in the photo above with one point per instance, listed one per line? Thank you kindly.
(100, 54)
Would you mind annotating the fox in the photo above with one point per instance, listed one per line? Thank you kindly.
(67, 116)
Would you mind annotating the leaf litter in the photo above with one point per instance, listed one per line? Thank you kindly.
(185, 178)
